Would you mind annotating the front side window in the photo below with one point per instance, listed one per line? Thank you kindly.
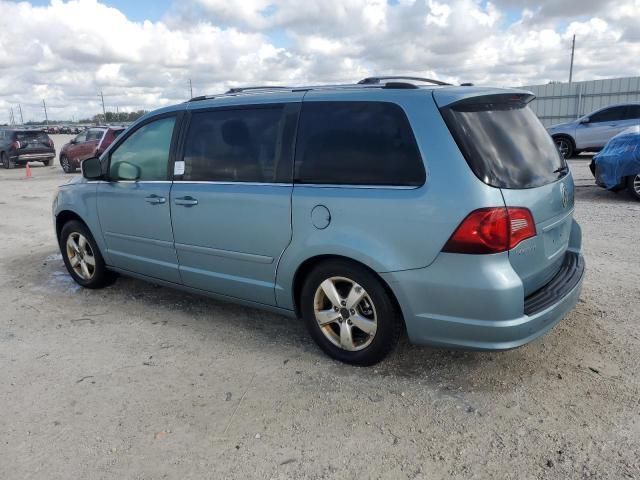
(608, 115)
(82, 137)
(94, 135)
(144, 155)
(241, 145)
(357, 143)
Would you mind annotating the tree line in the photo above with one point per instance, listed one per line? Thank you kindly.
(109, 117)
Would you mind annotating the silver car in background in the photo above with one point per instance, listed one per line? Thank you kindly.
(593, 131)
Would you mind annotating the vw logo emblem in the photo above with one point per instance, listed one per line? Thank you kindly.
(564, 195)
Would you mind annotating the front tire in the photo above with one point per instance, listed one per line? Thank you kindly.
(633, 185)
(564, 146)
(82, 257)
(65, 163)
(349, 313)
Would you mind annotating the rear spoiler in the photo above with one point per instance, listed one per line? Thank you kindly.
(488, 102)
(459, 96)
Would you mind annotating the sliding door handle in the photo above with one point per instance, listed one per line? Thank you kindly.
(155, 199)
(186, 201)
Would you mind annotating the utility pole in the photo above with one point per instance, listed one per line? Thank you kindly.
(573, 49)
(104, 112)
(46, 117)
(190, 89)
(21, 118)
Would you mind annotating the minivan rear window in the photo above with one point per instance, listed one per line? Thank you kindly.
(503, 142)
(357, 143)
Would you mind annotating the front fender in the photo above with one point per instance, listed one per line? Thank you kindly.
(80, 198)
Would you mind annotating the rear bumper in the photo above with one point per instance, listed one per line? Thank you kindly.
(33, 157)
(476, 302)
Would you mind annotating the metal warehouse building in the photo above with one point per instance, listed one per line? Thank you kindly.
(562, 102)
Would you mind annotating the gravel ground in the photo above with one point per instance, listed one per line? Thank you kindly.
(137, 381)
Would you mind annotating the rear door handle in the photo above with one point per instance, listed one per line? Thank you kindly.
(186, 201)
(155, 199)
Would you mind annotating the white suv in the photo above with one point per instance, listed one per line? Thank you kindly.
(593, 131)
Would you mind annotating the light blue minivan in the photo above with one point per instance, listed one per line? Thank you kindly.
(388, 206)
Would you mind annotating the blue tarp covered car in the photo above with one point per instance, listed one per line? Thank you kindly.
(618, 164)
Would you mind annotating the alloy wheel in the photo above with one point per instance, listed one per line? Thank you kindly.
(345, 313)
(81, 256)
(636, 184)
(563, 147)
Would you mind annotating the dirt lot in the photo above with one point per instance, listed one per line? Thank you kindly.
(137, 381)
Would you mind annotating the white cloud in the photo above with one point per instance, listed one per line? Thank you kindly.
(68, 52)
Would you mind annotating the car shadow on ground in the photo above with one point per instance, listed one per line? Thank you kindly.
(271, 335)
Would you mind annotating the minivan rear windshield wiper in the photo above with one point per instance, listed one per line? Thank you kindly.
(564, 169)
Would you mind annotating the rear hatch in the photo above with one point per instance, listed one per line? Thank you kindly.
(507, 147)
(34, 142)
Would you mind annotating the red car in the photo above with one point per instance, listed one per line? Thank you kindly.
(90, 143)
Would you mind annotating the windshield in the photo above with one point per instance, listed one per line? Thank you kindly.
(504, 143)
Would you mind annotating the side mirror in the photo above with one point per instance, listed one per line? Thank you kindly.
(585, 120)
(91, 168)
(127, 171)
(73, 141)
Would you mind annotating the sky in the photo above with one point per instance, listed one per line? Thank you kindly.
(141, 54)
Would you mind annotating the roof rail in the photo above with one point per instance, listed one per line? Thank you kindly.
(261, 87)
(200, 97)
(376, 80)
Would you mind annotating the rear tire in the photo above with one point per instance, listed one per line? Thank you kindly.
(82, 257)
(633, 185)
(47, 163)
(66, 164)
(360, 322)
(6, 162)
(564, 146)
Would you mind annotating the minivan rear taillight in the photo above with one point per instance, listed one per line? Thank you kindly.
(492, 230)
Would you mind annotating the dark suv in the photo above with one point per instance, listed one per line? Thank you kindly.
(17, 147)
(90, 143)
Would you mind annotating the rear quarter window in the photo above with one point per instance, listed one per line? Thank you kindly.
(357, 143)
